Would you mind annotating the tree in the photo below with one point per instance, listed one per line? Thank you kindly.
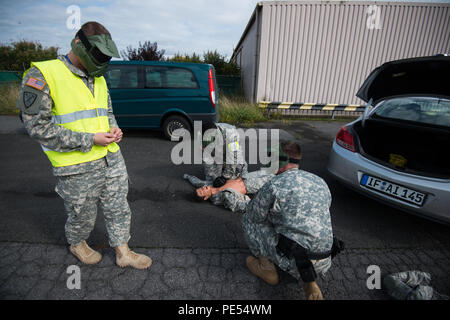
(186, 58)
(18, 55)
(230, 69)
(211, 57)
(147, 51)
(214, 58)
(220, 64)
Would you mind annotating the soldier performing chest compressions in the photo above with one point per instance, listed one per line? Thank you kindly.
(66, 107)
(288, 223)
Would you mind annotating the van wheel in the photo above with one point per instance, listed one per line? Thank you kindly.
(173, 123)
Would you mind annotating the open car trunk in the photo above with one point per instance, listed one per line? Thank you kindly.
(416, 149)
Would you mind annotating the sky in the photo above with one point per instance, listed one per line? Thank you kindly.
(178, 26)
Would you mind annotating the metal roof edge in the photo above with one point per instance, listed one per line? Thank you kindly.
(263, 3)
(322, 2)
(247, 28)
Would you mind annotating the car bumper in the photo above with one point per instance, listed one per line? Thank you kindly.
(349, 167)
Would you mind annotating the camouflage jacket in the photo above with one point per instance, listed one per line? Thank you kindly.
(233, 163)
(236, 201)
(36, 106)
(296, 204)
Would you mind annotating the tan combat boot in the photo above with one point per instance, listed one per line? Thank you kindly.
(263, 269)
(312, 291)
(85, 253)
(125, 257)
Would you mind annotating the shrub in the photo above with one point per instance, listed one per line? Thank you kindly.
(148, 51)
(237, 110)
(8, 98)
(18, 55)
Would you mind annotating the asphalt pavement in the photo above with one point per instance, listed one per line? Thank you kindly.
(198, 249)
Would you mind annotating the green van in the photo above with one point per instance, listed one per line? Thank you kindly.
(162, 95)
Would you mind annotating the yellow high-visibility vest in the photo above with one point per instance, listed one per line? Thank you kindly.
(75, 108)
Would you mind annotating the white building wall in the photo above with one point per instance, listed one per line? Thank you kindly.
(245, 58)
(321, 52)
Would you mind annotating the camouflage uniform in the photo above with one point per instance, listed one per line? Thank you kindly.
(236, 201)
(230, 198)
(234, 165)
(296, 204)
(81, 186)
(409, 285)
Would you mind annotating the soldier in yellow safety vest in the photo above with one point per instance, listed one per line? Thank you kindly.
(66, 107)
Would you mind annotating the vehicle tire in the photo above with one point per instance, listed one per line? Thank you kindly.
(172, 123)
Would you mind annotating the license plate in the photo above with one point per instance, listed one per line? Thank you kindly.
(393, 190)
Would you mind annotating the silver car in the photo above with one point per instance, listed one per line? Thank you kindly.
(398, 151)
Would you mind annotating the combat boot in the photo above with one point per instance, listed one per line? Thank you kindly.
(125, 257)
(263, 269)
(85, 253)
(312, 291)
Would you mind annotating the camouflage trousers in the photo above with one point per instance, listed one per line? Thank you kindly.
(107, 186)
(213, 171)
(262, 240)
(409, 285)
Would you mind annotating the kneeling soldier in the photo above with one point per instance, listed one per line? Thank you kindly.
(288, 223)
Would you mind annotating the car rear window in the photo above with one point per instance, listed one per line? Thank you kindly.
(169, 77)
(423, 110)
(122, 77)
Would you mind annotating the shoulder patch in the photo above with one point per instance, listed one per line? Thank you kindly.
(29, 98)
(36, 83)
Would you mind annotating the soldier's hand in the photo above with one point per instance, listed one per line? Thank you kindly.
(103, 138)
(117, 132)
(312, 291)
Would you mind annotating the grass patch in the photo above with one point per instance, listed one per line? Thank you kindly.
(237, 110)
(8, 98)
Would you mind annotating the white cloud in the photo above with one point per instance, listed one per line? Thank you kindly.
(177, 26)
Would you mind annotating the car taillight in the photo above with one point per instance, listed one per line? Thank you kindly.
(345, 139)
(212, 92)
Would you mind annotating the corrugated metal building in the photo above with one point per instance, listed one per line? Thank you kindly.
(321, 52)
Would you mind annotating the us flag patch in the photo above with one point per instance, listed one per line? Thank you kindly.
(35, 83)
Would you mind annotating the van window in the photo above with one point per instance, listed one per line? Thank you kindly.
(122, 77)
(169, 77)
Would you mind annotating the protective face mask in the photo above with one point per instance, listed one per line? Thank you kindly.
(95, 51)
(283, 158)
(279, 162)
